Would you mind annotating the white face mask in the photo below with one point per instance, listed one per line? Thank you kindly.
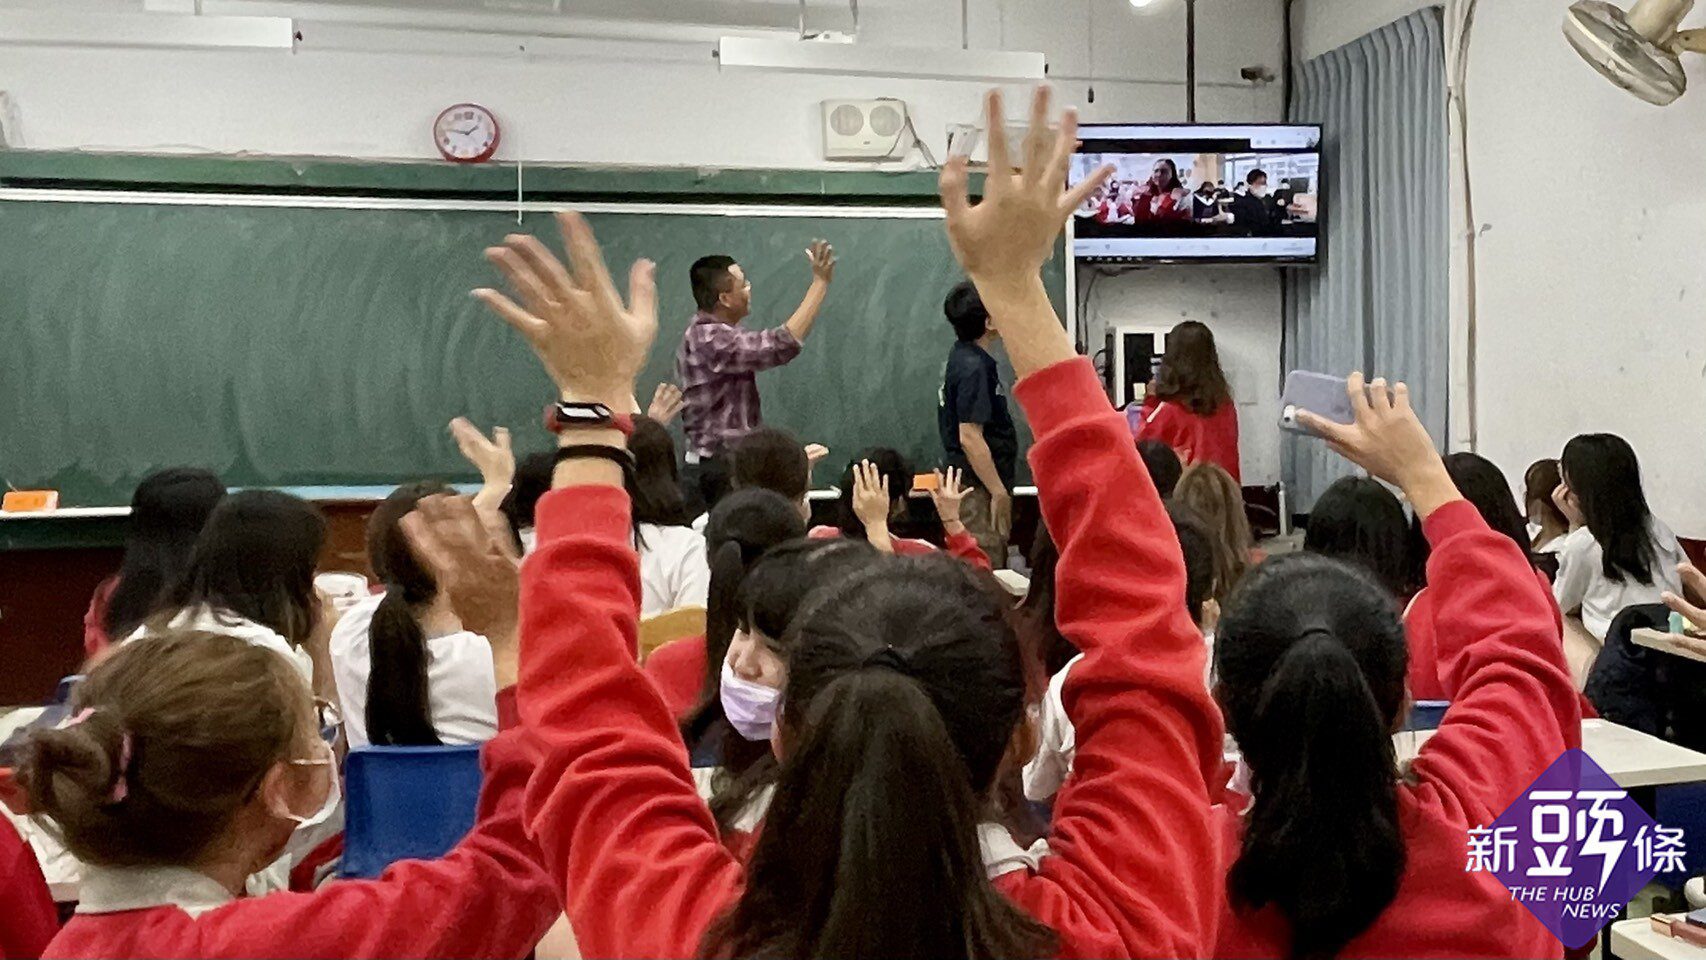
(1259, 191)
(750, 707)
(333, 793)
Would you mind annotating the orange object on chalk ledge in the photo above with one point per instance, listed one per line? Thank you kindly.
(28, 501)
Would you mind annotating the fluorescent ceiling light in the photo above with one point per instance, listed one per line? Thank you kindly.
(145, 30)
(850, 59)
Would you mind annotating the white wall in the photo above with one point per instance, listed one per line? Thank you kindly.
(1242, 306)
(1592, 293)
(663, 112)
(570, 108)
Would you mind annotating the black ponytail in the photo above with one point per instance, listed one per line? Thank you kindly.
(1311, 663)
(399, 706)
(905, 686)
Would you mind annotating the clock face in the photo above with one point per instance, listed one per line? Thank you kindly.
(466, 133)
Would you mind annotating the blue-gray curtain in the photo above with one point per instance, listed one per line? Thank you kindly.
(1379, 299)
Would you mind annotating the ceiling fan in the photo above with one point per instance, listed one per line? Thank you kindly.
(1637, 49)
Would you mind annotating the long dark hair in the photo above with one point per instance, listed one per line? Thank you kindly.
(892, 466)
(1035, 616)
(1310, 661)
(1190, 371)
(399, 710)
(741, 527)
(1358, 520)
(167, 512)
(904, 688)
(1601, 470)
(1539, 482)
(254, 558)
(1484, 486)
(655, 488)
(770, 596)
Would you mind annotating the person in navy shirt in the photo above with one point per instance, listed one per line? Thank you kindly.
(977, 429)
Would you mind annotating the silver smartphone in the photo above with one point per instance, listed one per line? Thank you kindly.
(1317, 393)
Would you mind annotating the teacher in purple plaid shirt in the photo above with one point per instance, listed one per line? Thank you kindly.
(719, 360)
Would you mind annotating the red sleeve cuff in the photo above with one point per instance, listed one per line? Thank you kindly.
(1053, 394)
(1458, 516)
(599, 511)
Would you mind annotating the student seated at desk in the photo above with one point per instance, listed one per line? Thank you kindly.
(251, 576)
(195, 758)
(772, 459)
(874, 489)
(167, 513)
(407, 673)
(905, 691)
(1338, 854)
(1484, 486)
(1617, 554)
(1215, 496)
(673, 569)
(688, 672)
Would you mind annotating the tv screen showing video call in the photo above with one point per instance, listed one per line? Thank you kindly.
(1233, 193)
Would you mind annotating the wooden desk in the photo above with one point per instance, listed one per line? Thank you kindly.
(1637, 940)
(1632, 758)
(52, 561)
(1691, 648)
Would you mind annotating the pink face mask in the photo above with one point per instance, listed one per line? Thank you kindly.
(750, 707)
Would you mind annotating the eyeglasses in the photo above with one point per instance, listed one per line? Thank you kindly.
(330, 719)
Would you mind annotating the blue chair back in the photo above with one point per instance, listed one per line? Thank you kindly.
(406, 803)
(1426, 714)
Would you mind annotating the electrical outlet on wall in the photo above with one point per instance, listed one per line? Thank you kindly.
(11, 128)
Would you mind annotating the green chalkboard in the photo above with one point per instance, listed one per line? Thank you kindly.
(289, 345)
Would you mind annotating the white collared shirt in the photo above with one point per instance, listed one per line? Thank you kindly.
(117, 889)
(673, 569)
(1582, 582)
(462, 689)
(205, 619)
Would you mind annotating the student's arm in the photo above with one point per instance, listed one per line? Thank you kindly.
(983, 462)
(1514, 706)
(489, 897)
(493, 458)
(612, 805)
(1134, 870)
(822, 257)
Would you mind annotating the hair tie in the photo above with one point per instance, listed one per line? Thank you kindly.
(121, 769)
(1317, 630)
(121, 782)
(887, 658)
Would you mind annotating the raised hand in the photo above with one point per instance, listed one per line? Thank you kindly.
(592, 344)
(472, 568)
(1694, 581)
(1388, 441)
(1011, 233)
(492, 457)
(1569, 505)
(815, 452)
(822, 257)
(1003, 241)
(871, 504)
(667, 402)
(947, 496)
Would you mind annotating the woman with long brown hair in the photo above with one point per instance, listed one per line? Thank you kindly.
(1188, 405)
